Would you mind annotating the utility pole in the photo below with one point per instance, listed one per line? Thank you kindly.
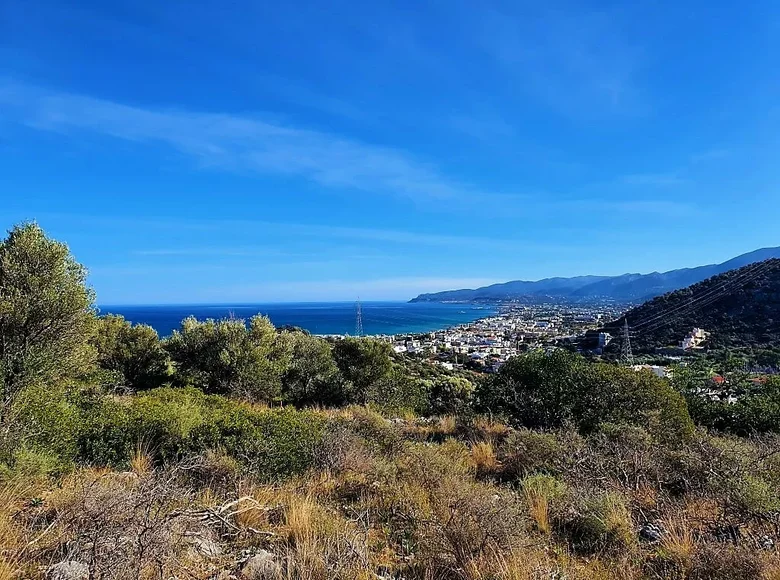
(626, 356)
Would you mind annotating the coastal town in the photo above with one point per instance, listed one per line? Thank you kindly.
(489, 342)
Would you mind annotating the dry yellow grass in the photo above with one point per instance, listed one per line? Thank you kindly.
(8, 570)
(484, 457)
(539, 510)
(141, 462)
(11, 496)
(447, 425)
(538, 491)
(678, 542)
(490, 429)
(299, 520)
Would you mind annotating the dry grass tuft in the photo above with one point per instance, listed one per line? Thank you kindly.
(678, 543)
(141, 463)
(484, 457)
(8, 570)
(447, 425)
(539, 490)
(489, 429)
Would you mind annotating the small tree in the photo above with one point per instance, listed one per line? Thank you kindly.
(362, 362)
(227, 357)
(46, 313)
(312, 376)
(135, 352)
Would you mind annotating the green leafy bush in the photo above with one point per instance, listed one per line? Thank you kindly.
(135, 353)
(230, 357)
(176, 423)
(549, 390)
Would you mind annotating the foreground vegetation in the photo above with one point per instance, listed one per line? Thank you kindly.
(234, 450)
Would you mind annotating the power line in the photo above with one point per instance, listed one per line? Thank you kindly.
(710, 295)
(703, 301)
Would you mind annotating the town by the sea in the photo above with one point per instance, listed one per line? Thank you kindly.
(324, 318)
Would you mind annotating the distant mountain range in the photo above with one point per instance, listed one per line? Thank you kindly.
(624, 288)
(738, 308)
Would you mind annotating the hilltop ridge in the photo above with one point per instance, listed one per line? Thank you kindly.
(625, 287)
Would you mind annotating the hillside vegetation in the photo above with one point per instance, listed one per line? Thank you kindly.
(237, 450)
(740, 308)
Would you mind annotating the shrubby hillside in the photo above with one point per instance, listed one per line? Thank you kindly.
(740, 308)
(234, 449)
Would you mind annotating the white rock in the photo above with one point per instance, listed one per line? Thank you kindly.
(261, 566)
(68, 570)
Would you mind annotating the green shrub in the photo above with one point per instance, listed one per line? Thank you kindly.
(398, 392)
(47, 420)
(754, 495)
(270, 444)
(134, 353)
(549, 390)
(544, 485)
(177, 423)
(105, 436)
(230, 356)
(526, 452)
(450, 395)
(602, 524)
(30, 465)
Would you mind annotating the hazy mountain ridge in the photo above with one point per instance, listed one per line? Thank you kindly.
(626, 287)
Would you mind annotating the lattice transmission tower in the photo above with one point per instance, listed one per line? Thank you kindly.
(358, 318)
(626, 355)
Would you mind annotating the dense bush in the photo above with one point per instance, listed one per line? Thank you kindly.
(551, 389)
(133, 352)
(450, 395)
(312, 376)
(173, 424)
(738, 405)
(362, 362)
(230, 357)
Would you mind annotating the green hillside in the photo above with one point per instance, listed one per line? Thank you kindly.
(738, 308)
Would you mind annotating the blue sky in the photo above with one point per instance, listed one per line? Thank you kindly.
(259, 151)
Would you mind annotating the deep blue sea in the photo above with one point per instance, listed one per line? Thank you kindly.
(316, 317)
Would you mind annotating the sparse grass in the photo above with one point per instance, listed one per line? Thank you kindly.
(484, 457)
(387, 497)
(539, 490)
(141, 462)
(678, 543)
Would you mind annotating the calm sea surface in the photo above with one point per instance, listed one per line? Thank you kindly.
(316, 317)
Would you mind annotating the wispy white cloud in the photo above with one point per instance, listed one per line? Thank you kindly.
(285, 230)
(242, 143)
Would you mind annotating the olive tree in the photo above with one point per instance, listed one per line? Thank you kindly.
(230, 357)
(312, 376)
(46, 312)
(133, 351)
(362, 362)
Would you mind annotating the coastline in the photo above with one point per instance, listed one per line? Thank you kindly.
(380, 318)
